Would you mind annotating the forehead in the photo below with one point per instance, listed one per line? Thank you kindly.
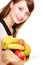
(22, 4)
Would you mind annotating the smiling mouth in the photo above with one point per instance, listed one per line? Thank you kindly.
(19, 19)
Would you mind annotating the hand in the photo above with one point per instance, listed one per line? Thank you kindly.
(1, 62)
(11, 59)
(1, 57)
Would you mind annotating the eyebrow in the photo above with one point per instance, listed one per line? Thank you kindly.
(27, 11)
(23, 8)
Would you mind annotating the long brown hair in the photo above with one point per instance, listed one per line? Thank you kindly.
(6, 10)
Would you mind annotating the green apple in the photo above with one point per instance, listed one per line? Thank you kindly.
(26, 52)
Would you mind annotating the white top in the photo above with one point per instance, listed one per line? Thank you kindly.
(3, 32)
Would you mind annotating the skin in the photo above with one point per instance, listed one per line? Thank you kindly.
(1, 62)
(18, 14)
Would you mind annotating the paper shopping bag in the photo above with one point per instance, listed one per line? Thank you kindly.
(11, 59)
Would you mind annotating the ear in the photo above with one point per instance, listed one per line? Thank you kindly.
(11, 5)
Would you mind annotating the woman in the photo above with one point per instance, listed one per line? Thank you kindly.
(13, 17)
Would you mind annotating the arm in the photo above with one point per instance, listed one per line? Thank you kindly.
(0, 51)
(1, 62)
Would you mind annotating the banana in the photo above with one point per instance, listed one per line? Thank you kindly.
(8, 40)
(14, 46)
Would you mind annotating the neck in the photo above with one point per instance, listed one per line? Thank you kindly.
(8, 21)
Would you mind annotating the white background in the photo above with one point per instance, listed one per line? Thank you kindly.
(32, 32)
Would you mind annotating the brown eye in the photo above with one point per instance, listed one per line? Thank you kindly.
(20, 8)
(26, 13)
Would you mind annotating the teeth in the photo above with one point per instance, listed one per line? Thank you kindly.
(20, 19)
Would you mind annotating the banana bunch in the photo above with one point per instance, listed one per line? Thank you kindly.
(10, 42)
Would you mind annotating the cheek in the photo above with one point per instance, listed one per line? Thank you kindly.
(25, 18)
(15, 12)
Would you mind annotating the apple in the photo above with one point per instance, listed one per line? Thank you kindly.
(26, 52)
(20, 54)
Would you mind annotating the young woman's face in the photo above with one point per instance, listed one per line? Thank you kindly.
(19, 12)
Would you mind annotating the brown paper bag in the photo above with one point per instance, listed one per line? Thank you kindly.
(11, 59)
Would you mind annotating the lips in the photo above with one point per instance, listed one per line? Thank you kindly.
(19, 18)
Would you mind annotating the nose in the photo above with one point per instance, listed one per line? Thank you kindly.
(22, 15)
